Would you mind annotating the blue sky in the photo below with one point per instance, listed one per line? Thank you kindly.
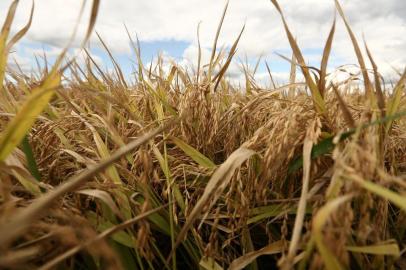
(170, 27)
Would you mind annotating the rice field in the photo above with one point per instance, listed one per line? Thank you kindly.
(184, 170)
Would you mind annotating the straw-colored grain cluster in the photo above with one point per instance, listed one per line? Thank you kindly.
(183, 170)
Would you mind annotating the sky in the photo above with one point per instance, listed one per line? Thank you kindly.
(169, 28)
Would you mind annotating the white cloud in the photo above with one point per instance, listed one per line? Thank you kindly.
(382, 22)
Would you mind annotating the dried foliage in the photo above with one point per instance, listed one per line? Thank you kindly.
(183, 170)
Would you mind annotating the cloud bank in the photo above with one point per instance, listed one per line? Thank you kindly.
(381, 23)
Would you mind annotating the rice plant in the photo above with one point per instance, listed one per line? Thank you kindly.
(183, 170)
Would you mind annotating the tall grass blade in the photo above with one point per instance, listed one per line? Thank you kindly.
(270, 75)
(22, 32)
(346, 112)
(199, 54)
(92, 21)
(393, 197)
(228, 61)
(194, 154)
(317, 97)
(301, 210)
(214, 49)
(117, 68)
(391, 249)
(5, 31)
(324, 60)
(364, 71)
(19, 126)
(378, 88)
(32, 164)
(394, 102)
(292, 77)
